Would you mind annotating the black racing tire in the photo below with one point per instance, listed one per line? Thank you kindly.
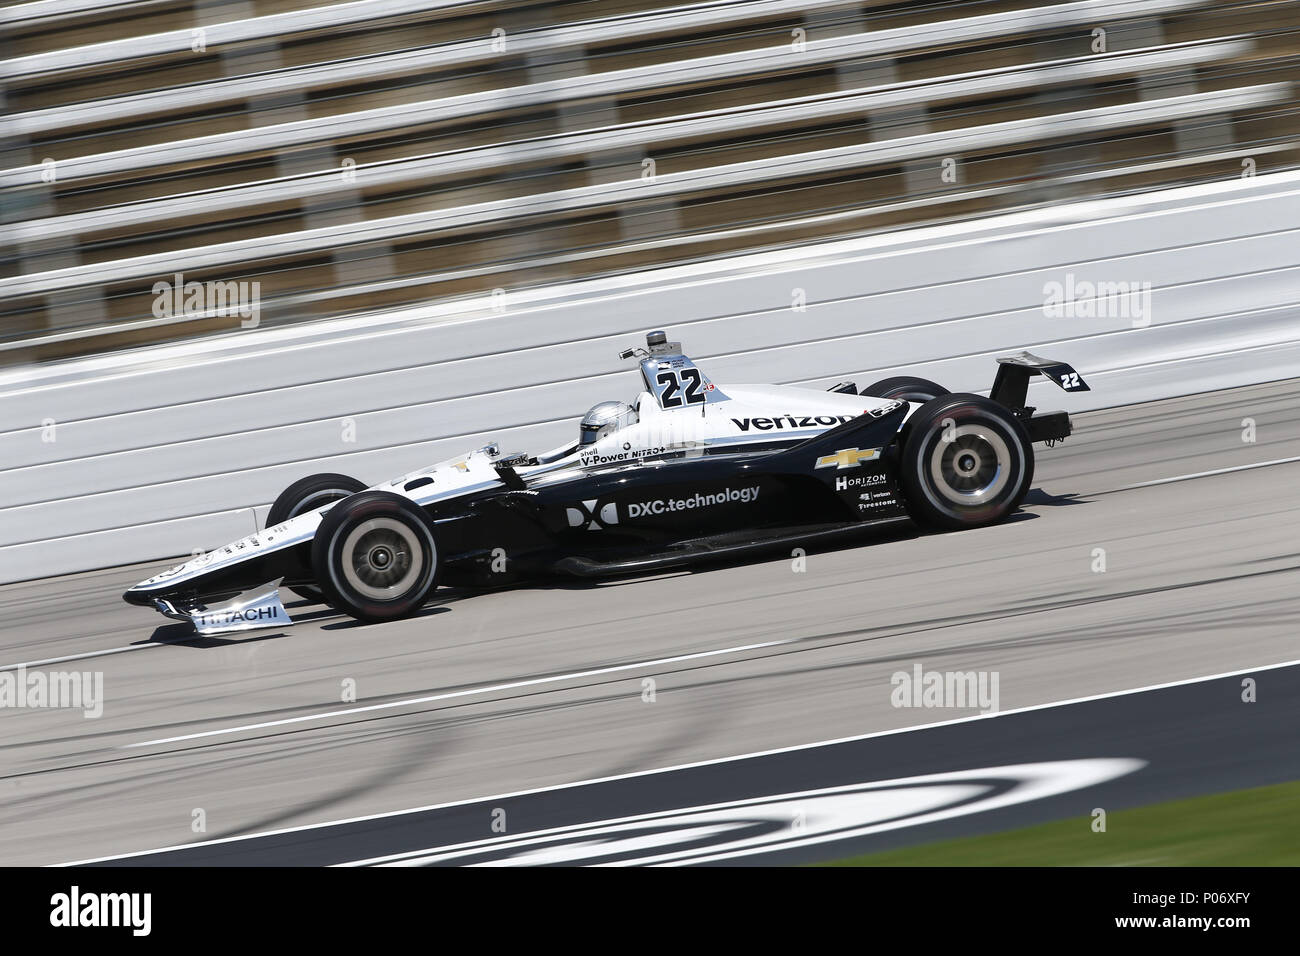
(907, 387)
(308, 494)
(375, 556)
(966, 461)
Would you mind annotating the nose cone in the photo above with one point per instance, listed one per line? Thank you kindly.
(146, 592)
(139, 595)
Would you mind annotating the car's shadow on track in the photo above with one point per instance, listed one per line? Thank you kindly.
(873, 534)
(1037, 496)
(182, 635)
(348, 623)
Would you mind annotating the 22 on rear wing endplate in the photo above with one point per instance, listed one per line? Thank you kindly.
(1011, 389)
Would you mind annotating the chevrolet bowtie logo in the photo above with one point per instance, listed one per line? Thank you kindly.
(848, 458)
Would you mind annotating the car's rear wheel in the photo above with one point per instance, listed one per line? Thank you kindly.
(907, 387)
(966, 461)
(308, 494)
(375, 556)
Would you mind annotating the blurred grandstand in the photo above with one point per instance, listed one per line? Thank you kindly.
(358, 156)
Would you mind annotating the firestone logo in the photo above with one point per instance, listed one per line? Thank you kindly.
(658, 506)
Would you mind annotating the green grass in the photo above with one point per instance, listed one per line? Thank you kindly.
(1259, 827)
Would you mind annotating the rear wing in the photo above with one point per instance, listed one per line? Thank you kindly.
(1011, 386)
(1011, 390)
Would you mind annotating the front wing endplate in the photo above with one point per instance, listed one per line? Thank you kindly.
(250, 611)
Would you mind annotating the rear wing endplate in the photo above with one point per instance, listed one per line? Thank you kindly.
(1011, 386)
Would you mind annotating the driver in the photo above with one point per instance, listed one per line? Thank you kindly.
(603, 419)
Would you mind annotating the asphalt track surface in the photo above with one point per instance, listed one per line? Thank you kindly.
(849, 797)
(511, 691)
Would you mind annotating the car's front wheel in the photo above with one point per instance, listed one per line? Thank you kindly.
(375, 556)
(966, 461)
(308, 494)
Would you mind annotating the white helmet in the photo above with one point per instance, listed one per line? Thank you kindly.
(604, 418)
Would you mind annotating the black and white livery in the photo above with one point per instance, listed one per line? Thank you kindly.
(688, 470)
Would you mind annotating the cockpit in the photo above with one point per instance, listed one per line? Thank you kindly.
(603, 419)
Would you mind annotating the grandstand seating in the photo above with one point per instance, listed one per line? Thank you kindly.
(357, 156)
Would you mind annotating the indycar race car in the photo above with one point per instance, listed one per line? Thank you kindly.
(689, 470)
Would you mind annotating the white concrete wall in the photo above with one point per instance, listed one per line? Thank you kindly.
(165, 450)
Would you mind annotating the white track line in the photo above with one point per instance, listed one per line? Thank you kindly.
(104, 653)
(1216, 471)
(450, 695)
(688, 766)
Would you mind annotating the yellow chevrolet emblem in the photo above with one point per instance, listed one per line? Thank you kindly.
(848, 458)
(462, 465)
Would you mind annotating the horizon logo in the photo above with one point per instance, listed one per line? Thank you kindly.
(844, 483)
(587, 515)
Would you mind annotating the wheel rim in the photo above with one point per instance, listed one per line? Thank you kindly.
(970, 465)
(382, 559)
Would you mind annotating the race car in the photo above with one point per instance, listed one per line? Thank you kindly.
(688, 470)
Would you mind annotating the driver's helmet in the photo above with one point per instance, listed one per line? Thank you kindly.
(603, 419)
